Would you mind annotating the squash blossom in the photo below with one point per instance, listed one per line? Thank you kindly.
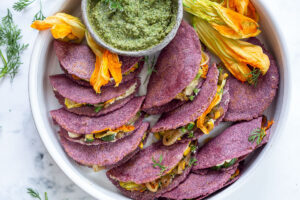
(63, 27)
(236, 55)
(227, 22)
(244, 7)
(107, 65)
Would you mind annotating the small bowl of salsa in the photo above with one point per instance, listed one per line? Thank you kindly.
(132, 27)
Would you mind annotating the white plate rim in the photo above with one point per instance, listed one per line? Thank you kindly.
(84, 183)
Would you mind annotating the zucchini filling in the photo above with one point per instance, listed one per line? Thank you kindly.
(207, 120)
(225, 164)
(72, 104)
(191, 91)
(108, 135)
(166, 179)
(170, 137)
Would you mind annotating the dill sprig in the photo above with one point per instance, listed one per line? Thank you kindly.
(253, 76)
(158, 164)
(258, 135)
(193, 161)
(22, 4)
(35, 194)
(10, 36)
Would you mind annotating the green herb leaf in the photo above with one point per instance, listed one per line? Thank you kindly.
(10, 36)
(89, 140)
(253, 76)
(194, 148)
(196, 91)
(191, 134)
(33, 193)
(225, 165)
(258, 135)
(193, 161)
(22, 4)
(114, 5)
(190, 126)
(39, 16)
(192, 97)
(158, 164)
(98, 108)
(229, 164)
(109, 138)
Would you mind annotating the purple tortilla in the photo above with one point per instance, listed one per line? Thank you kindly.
(140, 169)
(109, 154)
(176, 67)
(90, 110)
(248, 102)
(64, 134)
(232, 143)
(168, 107)
(68, 89)
(79, 60)
(200, 186)
(190, 111)
(86, 125)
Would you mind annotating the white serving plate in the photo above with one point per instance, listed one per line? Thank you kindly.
(42, 100)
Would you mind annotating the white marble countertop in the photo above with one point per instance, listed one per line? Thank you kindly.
(26, 163)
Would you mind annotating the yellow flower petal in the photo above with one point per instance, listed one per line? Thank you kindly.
(63, 26)
(60, 31)
(226, 21)
(235, 54)
(244, 7)
(114, 67)
(101, 74)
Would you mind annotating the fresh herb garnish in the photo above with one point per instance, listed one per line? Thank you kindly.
(22, 4)
(98, 108)
(193, 161)
(196, 91)
(190, 126)
(114, 5)
(194, 148)
(191, 134)
(158, 164)
(35, 194)
(192, 97)
(225, 165)
(253, 76)
(89, 140)
(109, 138)
(258, 135)
(10, 36)
(150, 69)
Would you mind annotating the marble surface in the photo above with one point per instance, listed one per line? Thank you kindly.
(26, 163)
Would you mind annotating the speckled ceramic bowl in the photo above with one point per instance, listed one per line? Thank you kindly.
(42, 100)
(148, 51)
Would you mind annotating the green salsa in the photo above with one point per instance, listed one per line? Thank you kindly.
(132, 24)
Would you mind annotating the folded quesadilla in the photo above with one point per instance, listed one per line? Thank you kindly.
(154, 170)
(199, 116)
(78, 62)
(249, 101)
(84, 101)
(96, 130)
(106, 155)
(177, 76)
